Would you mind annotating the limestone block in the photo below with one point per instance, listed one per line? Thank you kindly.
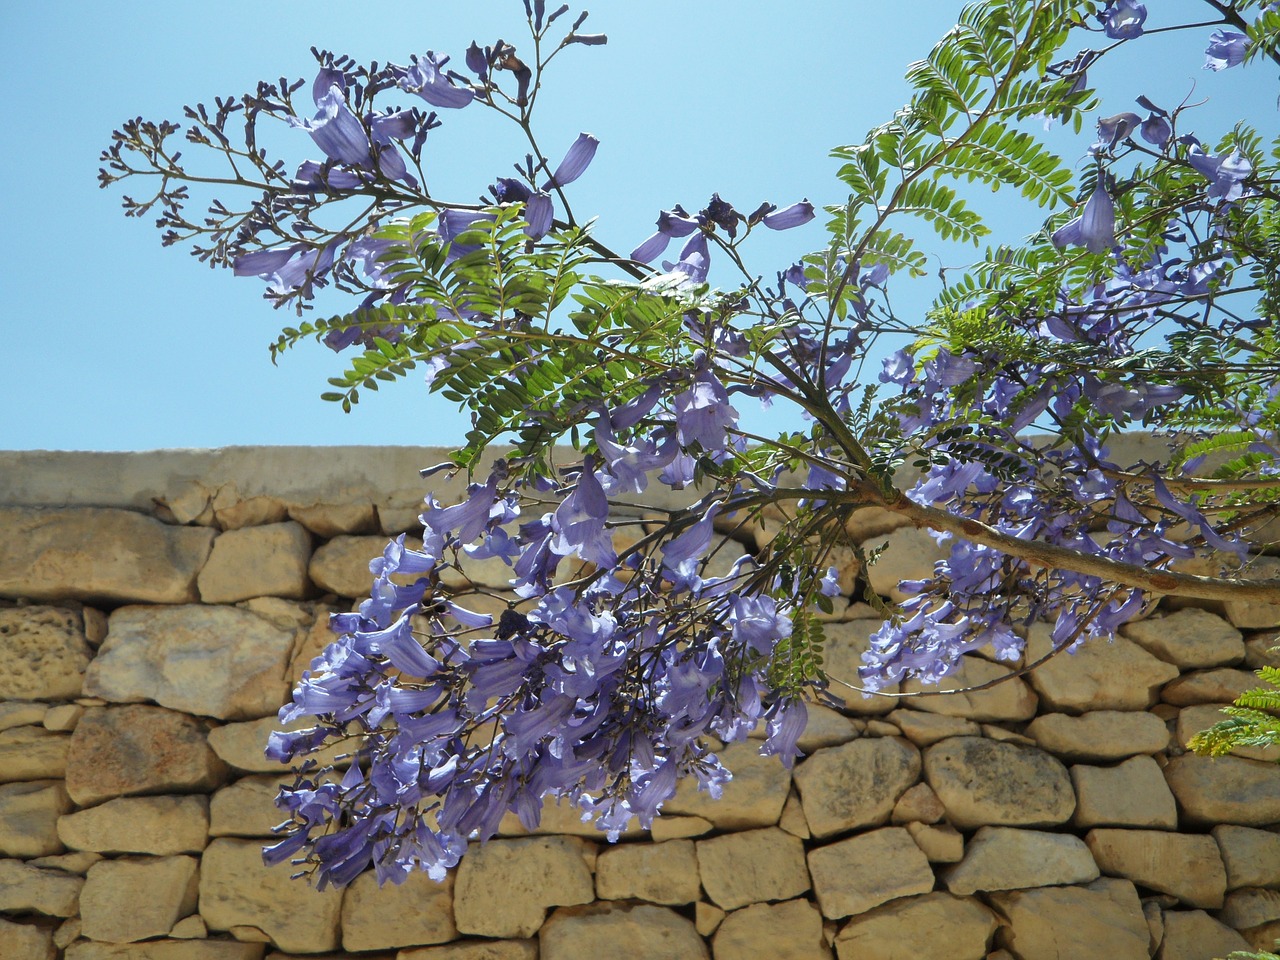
(236, 889)
(77, 863)
(44, 651)
(791, 930)
(16, 713)
(677, 828)
(1185, 866)
(1101, 675)
(32, 753)
(26, 941)
(190, 928)
(909, 554)
(341, 566)
(918, 805)
(855, 875)
(1262, 650)
(212, 661)
(1252, 857)
(1191, 638)
(1103, 919)
(866, 522)
(665, 873)
(269, 561)
(753, 798)
(856, 784)
(1101, 736)
(1194, 935)
(504, 888)
(336, 519)
(28, 889)
(912, 927)
(167, 950)
(29, 815)
(93, 554)
(242, 745)
(561, 818)
(639, 931)
(751, 867)
(983, 783)
(247, 807)
(940, 842)
(1130, 794)
(1222, 685)
(926, 729)
(66, 932)
(793, 819)
(124, 901)
(1225, 790)
(465, 950)
(1250, 907)
(62, 718)
(1255, 614)
(707, 918)
(841, 658)
(418, 911)
(123, 751)
(994, 731)
(234, 514)
(1010, 700)
(825, 728)
(1192, 720)
(161, 826)
(1003, 858)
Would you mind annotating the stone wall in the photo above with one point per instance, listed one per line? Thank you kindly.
(157, 608)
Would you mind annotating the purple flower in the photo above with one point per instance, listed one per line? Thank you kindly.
(1111, 130)
(1156, 130)
(793, 216)
(1094, 229)
(681, 555)
(1227, 48)
(1123, 19)
(694, 262)
(337, 130)
(287, 268)
(538, 215)
(675, 222)
(426, 78)
(575, 162)
(1227, 171)
(704, 414)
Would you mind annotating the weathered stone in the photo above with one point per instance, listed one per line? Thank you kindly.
(1262, 650)
(469, 950)
(44, 652)
(268, 561)
(998, 784)
(124, 901)
(236, 889)
(242, 745)
(67, 931)
(1103, 919)
(926, 729)
(190, 928)
(18, 713)
(1010, 700)
(78, 862)
(1130, 794)
(1001, 734)
(123, 751)
(1209, 686)
(93, 554)
(1154, 915)
(418, 911)
(918, 805)
(505, 887)
(1265, 937)
(162, 826)
(825, 728)
(1252, 857)
(841, 658)
(1255, 614)
(62, 718)
(908, 554)
(247, 807)
(1102, 674)
(29, 815)
(32, 753)
(678, 828)
(1250, 907)
(853, 876)
(336, 519)
(1193, 720)
(856, 784)
(1100, 736)
(1194, 935)
(751, 867)
(793, 819)
(26, 941)
(935, 925)
(561, 818)
(167, 950)
(1191, 638)
(1225, 790)
(707, 918)
(940, 842)
(791, 930)
(341, 566)
(753, 798)
(25, 888)
(642, 930)
(664, 873)
(214, 661)
(1185, 866)
(1003, 858)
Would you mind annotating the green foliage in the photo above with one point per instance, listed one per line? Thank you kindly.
(1253, 721)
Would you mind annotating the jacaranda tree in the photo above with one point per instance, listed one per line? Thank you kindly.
(1148, 297)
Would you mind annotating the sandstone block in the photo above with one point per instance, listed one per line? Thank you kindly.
(45, 653)
(825, 728)
(909, 554)
(1100, 736)
(268, 561)
(983, 783)
(1262, 650)
(1252, 857)
(237, 890)
(1103, 919)
(925, 729)
(96, 554)
(28, 889)
(1191, 638)
(1010, 700)
(793, 820)
(418, 911)
(1192, 720)
(1130, 794)
(1002, 858)
(32, 753)
(940, 842)
(123, 751)
(1255, 614)
(1225, 790)
(29, 815)
(16, 713)
(247, 807)
(856, 784)
(842, 656)
(791, 930)
(473, 950)
(124, 901)
(1185, 866)
(26, 941)
(242, 745)
(855, 875)
(190, 928)
(213, 661)
(678, 828)
(1101, 675)
(77, 863)
(161, 826)
(167, 950)
(913, 927)
(561, 818)
(753, 798)
(707, 918)
(751, 867)
(600, 929)
(62, 718)
(918, 805)
(664, 873)
(336, 519)
(504, 888)
(1194, 935)
(1250, 907)
(341, 566)
(1222, 685)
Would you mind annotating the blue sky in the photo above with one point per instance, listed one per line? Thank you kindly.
(113, 343)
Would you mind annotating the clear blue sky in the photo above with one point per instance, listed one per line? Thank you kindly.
(112, 343)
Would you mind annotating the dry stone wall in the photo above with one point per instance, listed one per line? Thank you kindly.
(156, 608)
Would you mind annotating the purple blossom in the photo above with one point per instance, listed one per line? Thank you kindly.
(793, 216)
(694, 262)
(426, 77)
(575, 162)
(1094, 229)
(1123, 19)
(337, 130)
(1227, 171)
(1227, 48)
(704, 414)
